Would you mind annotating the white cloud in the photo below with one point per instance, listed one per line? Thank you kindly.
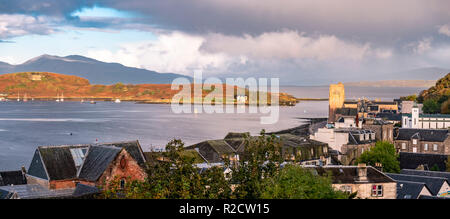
(383, 53)
(174, 52)
(445, 29)
(183, 53)
(422, 46)
(285, 45)
(13, 25)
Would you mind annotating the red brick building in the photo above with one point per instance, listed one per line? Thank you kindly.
(63, 167)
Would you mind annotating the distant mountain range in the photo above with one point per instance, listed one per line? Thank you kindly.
(98, 72)
(95, 71)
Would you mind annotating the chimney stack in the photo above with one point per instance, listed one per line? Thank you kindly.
(361, 170)
(379, 166)
(24, 171)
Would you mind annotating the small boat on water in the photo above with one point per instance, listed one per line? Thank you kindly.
(117, 101)
(93, 102)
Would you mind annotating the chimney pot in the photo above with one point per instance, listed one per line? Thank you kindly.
(362, 172)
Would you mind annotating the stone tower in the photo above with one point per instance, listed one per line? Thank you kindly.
(336, 100)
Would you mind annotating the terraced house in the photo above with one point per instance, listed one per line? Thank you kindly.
(429, 141)
(294, 148)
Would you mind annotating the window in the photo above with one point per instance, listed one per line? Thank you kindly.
(346, 189)
(425, 147)
(377, 190)
(414, 141)
(435, 147)
(123, 162)
(414, 149)
(122, 184)
(403, 146)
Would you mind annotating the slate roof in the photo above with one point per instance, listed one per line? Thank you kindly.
(432, 197)
(237, 135)
(33, 191)
(58, 161)
(389, 116)
(433, 183)
(82, 190)
(426, 173)
(132, 147)
(237, 145)
(432, 135)
(60, 165)
(428, 115)
(348, 174)
(413, 160)
(12, 178)
(347, 111)
(220, 146)
(410, 190)
(97, 160)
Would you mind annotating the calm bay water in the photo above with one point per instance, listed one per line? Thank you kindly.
(24, 126)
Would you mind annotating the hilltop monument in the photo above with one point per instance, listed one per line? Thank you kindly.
(336, 100)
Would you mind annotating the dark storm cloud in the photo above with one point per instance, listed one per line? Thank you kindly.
(41, 7)
(386, 21)
(350, 18)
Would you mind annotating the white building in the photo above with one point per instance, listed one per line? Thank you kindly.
(338, 137)
(418, 120)
(348, 122)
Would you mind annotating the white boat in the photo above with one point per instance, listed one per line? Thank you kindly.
(62, 97)
(57, 98)
(18, 97)
(25, 98)
(117, 101)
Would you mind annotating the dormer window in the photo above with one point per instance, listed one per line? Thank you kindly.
(414, 141)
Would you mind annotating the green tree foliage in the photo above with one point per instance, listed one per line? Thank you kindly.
(431, 106)
(435, 167)
(409, 98)
(384, 153)
(261, 159)
(295, 182)
(173, 175)
(445, 107)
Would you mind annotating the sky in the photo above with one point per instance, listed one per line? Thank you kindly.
(304, 41)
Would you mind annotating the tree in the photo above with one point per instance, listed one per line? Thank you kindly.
(295, 182)
(431, 106)
(384, 153)
(172, 175)
(409, 98)
(261, 159)
(435, 167)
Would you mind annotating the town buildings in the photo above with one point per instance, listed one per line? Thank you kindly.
(59, 167)
(430, 141)
(294, 149)
(71, 171)
(366, 181)
(423, 161)
(437, 186)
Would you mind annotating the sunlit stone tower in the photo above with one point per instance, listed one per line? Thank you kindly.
(336, 100)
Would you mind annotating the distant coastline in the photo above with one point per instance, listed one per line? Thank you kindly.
(393, 83)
